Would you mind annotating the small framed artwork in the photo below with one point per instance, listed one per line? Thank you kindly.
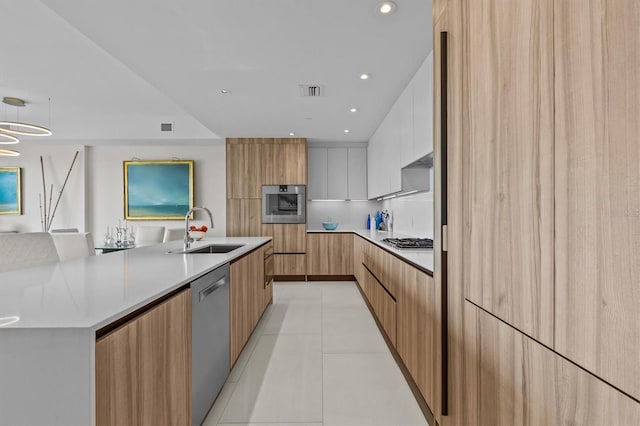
(157, 190)
(10, 200)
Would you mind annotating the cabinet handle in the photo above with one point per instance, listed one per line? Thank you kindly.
(213, 287)
(443, 218)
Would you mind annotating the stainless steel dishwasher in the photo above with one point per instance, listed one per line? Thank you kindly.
(210, 339)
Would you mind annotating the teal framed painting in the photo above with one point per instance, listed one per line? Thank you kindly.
(157, 190)
(10, 200)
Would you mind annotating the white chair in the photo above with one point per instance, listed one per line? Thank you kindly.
(55, 231)
(148, 235)
(25, 250)
(73, 245)
(173, 234)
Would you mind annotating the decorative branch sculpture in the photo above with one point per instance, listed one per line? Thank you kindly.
(46, 215)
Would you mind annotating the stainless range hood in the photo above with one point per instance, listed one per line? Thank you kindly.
(416, 177)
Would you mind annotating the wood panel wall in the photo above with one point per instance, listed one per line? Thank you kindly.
(597, 300)
(508, 161)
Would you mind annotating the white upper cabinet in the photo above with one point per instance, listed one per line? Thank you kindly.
(404, 136)
(317, 174)
(404, 107)
(337, 183)
(337, 174)
(357, 173)
(422, 111)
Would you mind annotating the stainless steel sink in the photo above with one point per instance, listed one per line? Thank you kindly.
(211, 248)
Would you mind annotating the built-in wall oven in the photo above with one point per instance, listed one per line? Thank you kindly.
(284, 204)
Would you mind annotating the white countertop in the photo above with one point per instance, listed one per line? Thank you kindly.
(421, 258)
(95, 291)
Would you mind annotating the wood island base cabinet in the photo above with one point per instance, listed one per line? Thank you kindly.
(143, 367)
(249, 296)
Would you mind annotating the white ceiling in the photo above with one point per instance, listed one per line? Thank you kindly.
(115, 70)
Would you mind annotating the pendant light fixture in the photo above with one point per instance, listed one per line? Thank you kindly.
(9, 152)
(10, 130)
(20, 128)
(8, 139)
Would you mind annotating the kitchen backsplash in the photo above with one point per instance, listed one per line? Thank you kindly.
(349, 214)
(413, 214)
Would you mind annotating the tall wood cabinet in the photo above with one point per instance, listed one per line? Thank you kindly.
(540, 142)
(597, 156)
(508, 162)
(249, 296)
(251, 163)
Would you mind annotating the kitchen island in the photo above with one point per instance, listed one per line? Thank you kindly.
(49, 317)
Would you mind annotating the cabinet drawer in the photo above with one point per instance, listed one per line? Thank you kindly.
(289, 264)
(383, 305)
(386, 267)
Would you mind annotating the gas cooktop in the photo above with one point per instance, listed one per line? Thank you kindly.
(410, 243)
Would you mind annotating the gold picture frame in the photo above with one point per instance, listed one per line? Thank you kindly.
(10, 191)
(157, 190)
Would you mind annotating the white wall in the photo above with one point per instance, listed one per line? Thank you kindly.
(413, 214)
(94, 196)
(105, 198)
(57, 159)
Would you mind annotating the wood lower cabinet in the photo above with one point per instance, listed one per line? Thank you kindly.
(405, 301)
(385, 266)
(513, 380)
(143, 368)
(329, 253)
(360, 247)
(289, 264)
(246, 298)
(417, 331)
(383, 304)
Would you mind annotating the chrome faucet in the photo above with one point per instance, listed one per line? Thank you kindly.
(187, 239)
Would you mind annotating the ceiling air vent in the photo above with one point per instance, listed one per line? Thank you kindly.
(311, 90)
(166, 127)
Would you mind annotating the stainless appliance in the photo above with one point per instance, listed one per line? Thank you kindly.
(284, 204)
(210, 339)
(410, 243)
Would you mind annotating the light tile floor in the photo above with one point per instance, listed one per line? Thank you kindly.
(316, 358)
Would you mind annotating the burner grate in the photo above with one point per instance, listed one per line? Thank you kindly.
(413, 243)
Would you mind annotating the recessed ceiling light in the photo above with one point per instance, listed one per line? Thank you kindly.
(346, 130)
(387, 7)
(364, 76)
(291, 134)
(225, 92)
(354, 110)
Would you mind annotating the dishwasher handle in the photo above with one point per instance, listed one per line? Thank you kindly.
(210, 289)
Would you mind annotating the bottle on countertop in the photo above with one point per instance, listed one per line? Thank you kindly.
(368, 221)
